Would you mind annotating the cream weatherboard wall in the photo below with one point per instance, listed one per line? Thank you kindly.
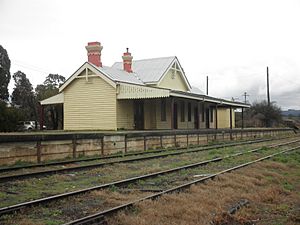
(125, 115)
(150, 113)
(224, 118)
(173, 81)
(90, 105)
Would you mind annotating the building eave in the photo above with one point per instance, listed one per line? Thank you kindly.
(93, 68)
(209, 99)
(189, 87)
(135, 91)
(56, 99)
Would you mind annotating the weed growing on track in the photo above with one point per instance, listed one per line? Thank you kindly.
(56, 213)
(272, 188)
(39, 187)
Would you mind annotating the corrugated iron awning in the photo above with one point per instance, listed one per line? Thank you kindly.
(209, 99)
(130, 91)
(56, 99)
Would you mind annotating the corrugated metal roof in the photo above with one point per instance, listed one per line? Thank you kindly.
(120, 75)
(56, 99)
(148, 70)
(207, 98)
(196, 90)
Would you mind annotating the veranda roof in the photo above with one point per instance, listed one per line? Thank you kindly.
(56, 99)
(131, 91)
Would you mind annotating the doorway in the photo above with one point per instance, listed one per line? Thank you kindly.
(138, 115)
(196, 118)
(175, 114)
(207, 118)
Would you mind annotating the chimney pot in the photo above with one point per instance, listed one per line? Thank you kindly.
(127, 61)
(94, 53)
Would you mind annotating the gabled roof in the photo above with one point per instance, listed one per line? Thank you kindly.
(149, 70)
(119, 75)
(152, 71)
(146, 71)
(85, 66)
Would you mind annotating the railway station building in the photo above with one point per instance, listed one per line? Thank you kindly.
(146, 94)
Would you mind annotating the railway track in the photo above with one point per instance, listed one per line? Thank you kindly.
(130, 181)
(63, 169)
(122, 155)
(99, 217)
(14, 192)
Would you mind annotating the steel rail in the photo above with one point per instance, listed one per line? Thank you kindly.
(96, 165)
(19, 206)
(100, 216)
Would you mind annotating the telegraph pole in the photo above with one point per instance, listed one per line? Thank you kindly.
(268, 88)
(245, 96)
(206, 85)
(268, 122)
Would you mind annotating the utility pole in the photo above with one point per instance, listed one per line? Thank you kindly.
(245, 96)
(268, 88)
(268, 122)
(206, 85)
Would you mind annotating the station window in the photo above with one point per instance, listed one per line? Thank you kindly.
(211, 115)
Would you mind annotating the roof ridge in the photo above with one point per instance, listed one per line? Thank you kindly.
(138, 60)
(136, 75)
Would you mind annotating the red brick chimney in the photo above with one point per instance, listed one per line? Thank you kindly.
(127, 61)
(94, 53)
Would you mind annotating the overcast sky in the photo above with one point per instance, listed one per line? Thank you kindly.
(230, 41)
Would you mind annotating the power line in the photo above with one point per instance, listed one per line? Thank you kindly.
(30, 67)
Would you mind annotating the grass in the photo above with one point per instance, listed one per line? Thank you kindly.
(60, 183)
(272, 201)
(67, 183)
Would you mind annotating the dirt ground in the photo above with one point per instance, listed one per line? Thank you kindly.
(270, 189)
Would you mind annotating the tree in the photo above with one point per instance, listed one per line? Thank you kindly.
(4, 74)
(9, 117)
(54, 81)
(23, 96)
(49, 88)
(268, 115)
